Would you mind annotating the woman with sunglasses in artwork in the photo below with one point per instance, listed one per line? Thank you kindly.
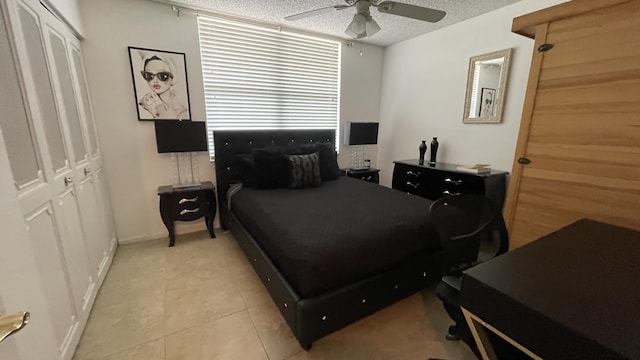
(161, 102)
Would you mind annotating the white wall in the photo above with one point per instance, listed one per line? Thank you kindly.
(135, 170)
(424, 85)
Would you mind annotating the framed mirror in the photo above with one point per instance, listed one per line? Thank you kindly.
(486, 86)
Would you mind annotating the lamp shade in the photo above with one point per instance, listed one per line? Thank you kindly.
(360, 133)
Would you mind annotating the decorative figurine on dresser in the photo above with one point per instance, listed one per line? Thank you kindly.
(423, 149)
(434, 150)
(438, 179)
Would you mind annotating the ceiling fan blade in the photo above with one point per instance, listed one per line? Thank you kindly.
(315, 12)
(411, 11)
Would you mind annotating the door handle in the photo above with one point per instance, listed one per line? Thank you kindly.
(68, 180)
(87, 171)
(10, 324)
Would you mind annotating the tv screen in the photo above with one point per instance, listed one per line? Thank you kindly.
(181, 136)
(360, 133)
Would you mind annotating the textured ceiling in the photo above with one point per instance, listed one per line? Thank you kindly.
(394, 28)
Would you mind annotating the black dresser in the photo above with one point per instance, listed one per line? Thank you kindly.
(441, 179)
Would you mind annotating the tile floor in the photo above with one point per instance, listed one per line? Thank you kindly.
(201, 300)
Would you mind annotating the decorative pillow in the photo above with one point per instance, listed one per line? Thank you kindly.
(329, 169)
(304, 171)
(272, 168)
(245, 163)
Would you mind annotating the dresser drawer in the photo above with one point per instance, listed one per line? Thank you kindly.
(410, 180)
(434, 182)
(446, 183)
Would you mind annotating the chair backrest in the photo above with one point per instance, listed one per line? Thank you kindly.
(469, 225)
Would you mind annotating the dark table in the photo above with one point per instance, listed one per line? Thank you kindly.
(573, 294)
(187, 204)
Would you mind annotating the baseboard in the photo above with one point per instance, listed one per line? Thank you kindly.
(164, 235)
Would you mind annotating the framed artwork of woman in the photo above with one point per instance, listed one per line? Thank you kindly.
(160, 84)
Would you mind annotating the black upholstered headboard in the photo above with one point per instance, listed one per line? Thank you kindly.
(229, 143)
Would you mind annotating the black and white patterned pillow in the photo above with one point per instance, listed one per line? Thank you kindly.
(304, 171)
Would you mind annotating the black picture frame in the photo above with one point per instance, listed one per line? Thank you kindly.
(165, 95)
(487, 102)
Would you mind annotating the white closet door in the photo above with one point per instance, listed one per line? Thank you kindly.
(37, 157)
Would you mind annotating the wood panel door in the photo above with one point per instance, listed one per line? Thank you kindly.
(581, 126)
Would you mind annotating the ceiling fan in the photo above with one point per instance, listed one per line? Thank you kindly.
(363, 24)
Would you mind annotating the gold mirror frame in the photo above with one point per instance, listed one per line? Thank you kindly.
(497, 102)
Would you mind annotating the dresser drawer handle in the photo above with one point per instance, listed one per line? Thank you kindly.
(455, 182)
(416, 174)
(447, 192)
(183, 200)
(366, 178)
(415, 186)
(186, 211)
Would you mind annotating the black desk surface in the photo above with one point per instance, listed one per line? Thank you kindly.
(573, 294)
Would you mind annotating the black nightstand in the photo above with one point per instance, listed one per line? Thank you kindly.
(370, 175)
(187, 204)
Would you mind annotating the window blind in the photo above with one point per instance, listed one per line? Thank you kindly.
(262, 78)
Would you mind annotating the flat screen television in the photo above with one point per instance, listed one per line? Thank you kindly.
(181, 136)
(360, 133)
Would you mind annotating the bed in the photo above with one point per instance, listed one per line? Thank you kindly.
(328, 255)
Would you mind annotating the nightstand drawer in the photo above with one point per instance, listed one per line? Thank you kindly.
(370, 175)
(189, 205)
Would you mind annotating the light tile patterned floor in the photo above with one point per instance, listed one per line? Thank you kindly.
(201, 300)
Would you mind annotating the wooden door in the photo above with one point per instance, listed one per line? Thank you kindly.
(581, 126)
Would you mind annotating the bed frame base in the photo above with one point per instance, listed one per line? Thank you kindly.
(313, 318)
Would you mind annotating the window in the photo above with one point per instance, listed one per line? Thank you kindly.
(256, 77)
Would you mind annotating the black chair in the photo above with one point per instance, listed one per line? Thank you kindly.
(472, 230)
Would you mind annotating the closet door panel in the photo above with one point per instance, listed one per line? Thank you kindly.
(93, 225)
(105, 200)
(583, 140)
(85, 218)
(16, 128)
(87, 114)
(45, 241)
(38, 68)
(75, 250)
(70, 110)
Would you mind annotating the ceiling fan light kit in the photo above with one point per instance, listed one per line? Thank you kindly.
(372, 26)
(363, 25)
(357, 29)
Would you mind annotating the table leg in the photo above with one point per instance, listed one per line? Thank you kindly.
(209, 222)
(166, 219)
